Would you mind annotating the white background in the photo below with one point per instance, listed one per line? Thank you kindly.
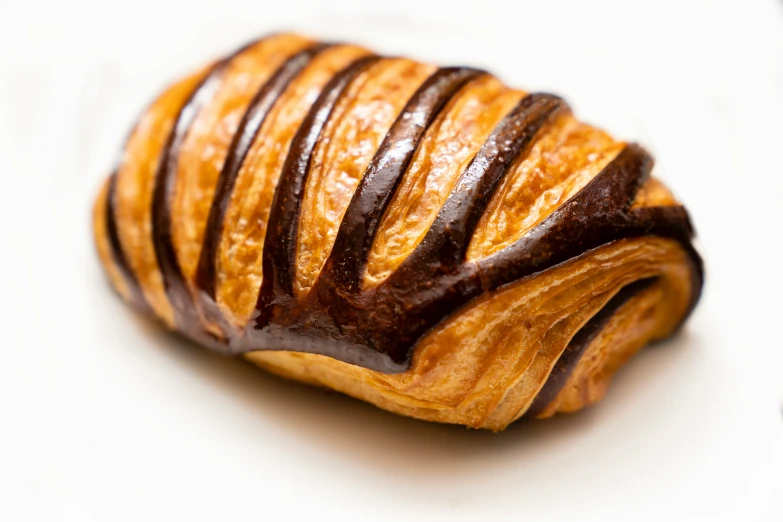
(105, 417)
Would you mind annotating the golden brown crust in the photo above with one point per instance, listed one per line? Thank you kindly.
(483, 363)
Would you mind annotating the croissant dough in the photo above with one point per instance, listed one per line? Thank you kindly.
(425, 239)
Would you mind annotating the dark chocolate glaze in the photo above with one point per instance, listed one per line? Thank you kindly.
(447, 240)
(598, 214)
(578, 346)
(251, 123)
(433, 281)
(354, 239)
(378, 327)
(279, 256)
(165, 184)
(185, 313)
(137, 299)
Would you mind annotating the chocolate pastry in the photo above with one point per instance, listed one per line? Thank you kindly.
(422, 238)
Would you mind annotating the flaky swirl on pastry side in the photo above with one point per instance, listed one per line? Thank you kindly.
(422, 238)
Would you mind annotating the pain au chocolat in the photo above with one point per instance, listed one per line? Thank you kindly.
(423, 238)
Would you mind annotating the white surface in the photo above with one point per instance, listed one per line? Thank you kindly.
(105, 417)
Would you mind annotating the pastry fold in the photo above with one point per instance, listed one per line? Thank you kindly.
(423, 238)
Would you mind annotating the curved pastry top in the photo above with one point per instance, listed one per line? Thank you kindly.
(445, 155)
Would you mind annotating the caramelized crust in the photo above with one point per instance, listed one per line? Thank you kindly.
(425, 239)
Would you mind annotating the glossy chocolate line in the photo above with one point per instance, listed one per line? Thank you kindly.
(429, 285)
(279, 256)
(449, 236)
(596, 215)
(578, 345)
(348, 258)
(137, 298)
(176, 287)
(246, 133)
(165, 185)
(434, 281)
(436, 268)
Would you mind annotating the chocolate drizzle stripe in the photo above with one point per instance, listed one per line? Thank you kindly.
(360, 223)
(578, 345)
(449, 236)
(281, 238)
(596, 215)
(434, 280)
(165, 185)
(176, 287)
(118, 254)
(137, 297)
(248, 129)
